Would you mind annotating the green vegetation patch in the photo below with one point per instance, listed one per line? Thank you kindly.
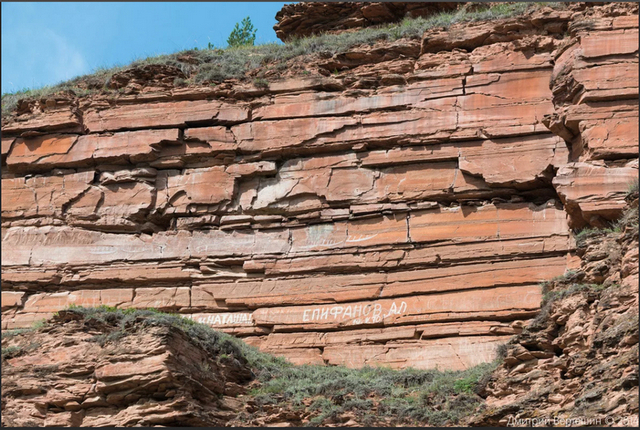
(10, 333)
(10, 351)
(586, 233)
(408, 395)
(628, 220)
(37, 325)
(214, 342)
(550, 296)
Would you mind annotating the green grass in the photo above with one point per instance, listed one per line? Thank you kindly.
(15, 350)
(260, 83)
(417, 396)
(216, 343)
(14, 332)
(215, 65)
(408, 395)
(550, 296)
(586, 233)
(628, 220)
(10, 351)
(10, 333)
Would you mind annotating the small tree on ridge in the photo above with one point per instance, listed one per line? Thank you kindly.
(243, 34)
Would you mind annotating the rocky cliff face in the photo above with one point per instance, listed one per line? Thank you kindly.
(304, 19)
(577, 363)
(400, 211)
(80, 370)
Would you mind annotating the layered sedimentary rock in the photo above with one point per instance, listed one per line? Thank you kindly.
(595, 92)
(578, 361)
(80, 371)
(400, 213)
(304, 19)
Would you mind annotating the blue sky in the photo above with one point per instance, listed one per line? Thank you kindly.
(46, 43)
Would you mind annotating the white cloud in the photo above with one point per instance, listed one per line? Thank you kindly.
(36, 57)
(68, 62)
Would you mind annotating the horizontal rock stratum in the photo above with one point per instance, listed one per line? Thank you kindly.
(400, 212)
(304, 19)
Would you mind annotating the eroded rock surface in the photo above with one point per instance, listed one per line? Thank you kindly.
(304, 19)
(595, 92)
(400, 212)
(79, 371)
(578, 361)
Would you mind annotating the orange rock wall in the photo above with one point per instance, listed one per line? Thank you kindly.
(407, 223)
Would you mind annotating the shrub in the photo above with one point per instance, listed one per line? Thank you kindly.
(242, 35)
(583, 234)
(10, 351)
(408, 394)
(502, 350)
(260, 83)
(215, 342)
(629, 219)
(15, 332)
(551, 296)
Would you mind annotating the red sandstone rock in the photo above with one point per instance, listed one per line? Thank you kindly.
(423, 169)
(314, 104)
(7, 142)
(449, 354)
(143, 273)
(516, 161)
(436, 307)
(592, 193)
(53, 302)
(11, 299)
(304, 19)
(31, 150)
(195, 186)
(599, 321)
(596, 102)
(23, 319)
(611, 139)
(42, 195)
(63, 121)
(43, 153)
(266, 136)
(161, 298)
(447, 253)
(462, 224)
(151, 375)
(219, 138)
(162, 115)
